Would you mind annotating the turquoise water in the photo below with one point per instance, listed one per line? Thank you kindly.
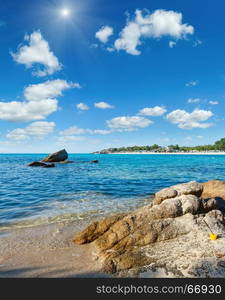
(118, 183)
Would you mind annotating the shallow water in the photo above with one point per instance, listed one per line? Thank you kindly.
(30, 196)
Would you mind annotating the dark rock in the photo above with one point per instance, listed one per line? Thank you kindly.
(41, 164)
(59, 156)
(66, 162)
(94, 161)
(37, 164)
(49, 166)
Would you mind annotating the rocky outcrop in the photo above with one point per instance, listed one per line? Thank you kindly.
(193, 188)
(59, 156)
(214, 189)
(175, 222)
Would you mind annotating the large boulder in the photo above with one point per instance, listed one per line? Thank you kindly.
(214, 189)
(59, 156)
(192, 187)
(124, 242)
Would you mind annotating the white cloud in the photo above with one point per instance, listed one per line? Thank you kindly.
(213, 102)
(172, 44)
(40, 101)
(128, 123)
(193, 100)
(156, 25)
(82, 106)
(103, 105)
(37, 52)
(153, 111)
(48, 90)
(70, 138)
(110, 49)
(104, 33)
(100, 131)
(36, 130)
(94, 46)
(186, 120)
(72, 131)
(192, 83)
(27, 111)
(197, 43)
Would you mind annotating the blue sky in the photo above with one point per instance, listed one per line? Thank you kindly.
(87, 75)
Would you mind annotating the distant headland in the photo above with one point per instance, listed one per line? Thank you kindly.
(217, 148)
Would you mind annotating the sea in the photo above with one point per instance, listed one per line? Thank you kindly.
(30, 196)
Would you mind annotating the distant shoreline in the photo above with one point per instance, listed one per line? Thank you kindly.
(171, 153)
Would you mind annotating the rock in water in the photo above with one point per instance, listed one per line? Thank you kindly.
(37, 164)
(49, 166)
(94, 161)
(41, 164)
(57, 156)
(67, 162)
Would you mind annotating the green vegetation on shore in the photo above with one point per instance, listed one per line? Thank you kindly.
(217, 146)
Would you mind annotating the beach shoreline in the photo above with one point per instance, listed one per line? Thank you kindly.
(46, 251)
(172, 153)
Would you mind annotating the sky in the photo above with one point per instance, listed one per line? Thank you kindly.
(86, 75)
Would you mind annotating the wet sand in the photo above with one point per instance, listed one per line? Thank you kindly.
(46, 251)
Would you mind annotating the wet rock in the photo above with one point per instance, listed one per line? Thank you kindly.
(59, 156)
(41, 164)
(48, 166)
(37, 164)
(66, 162)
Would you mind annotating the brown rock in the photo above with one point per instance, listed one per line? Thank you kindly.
(96, 229)
(120, 242)
(190, 188)
(59, 156)
(213, 189)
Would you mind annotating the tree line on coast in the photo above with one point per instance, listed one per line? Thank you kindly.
(217, 146)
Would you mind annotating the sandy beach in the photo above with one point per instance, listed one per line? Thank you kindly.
(46, 251)
(174, 153)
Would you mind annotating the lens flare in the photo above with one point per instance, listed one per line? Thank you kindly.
(65, 12)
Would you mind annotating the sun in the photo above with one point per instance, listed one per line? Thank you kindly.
(65, 12)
